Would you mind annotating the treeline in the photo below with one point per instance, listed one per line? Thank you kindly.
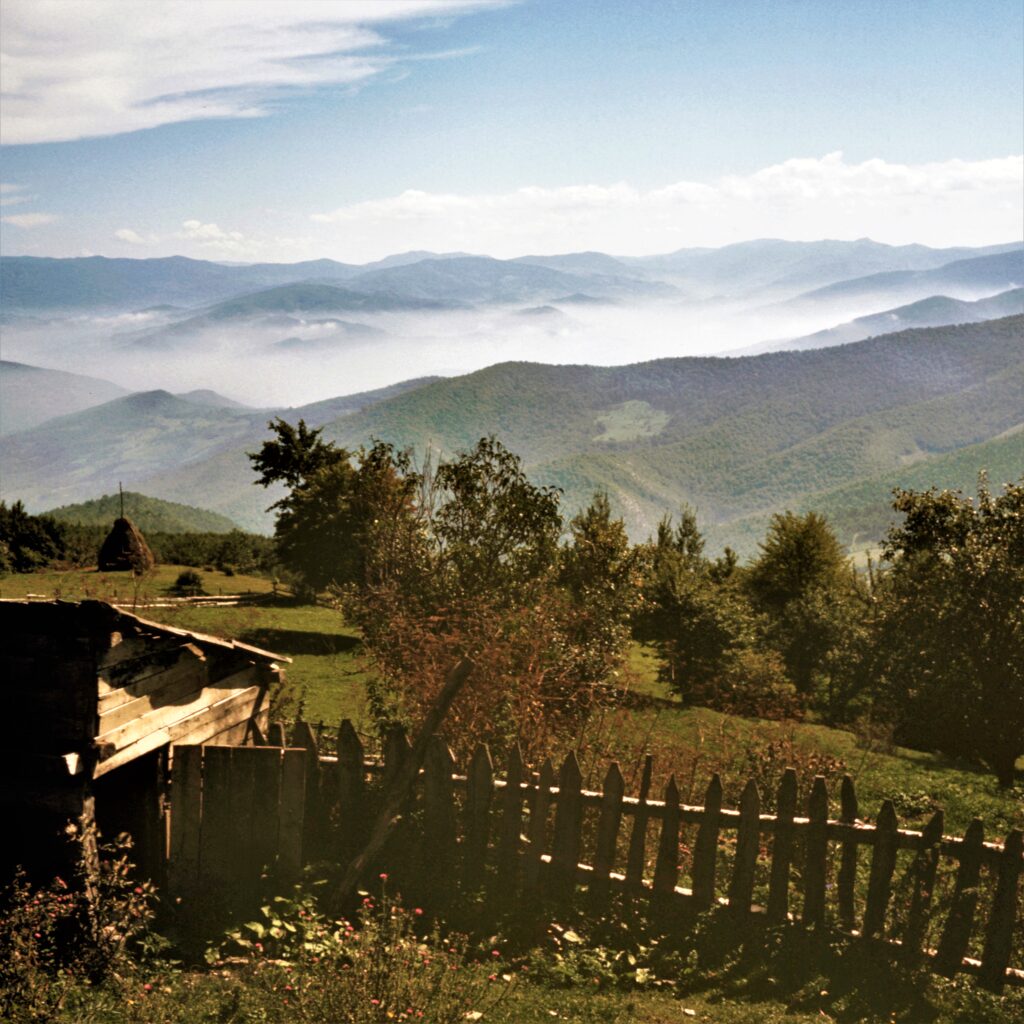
(468, 557)
(29, 543)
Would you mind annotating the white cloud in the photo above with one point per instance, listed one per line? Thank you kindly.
(952, 202)
(30, 220)
(12, 195)
(134, 238)
(79, 68)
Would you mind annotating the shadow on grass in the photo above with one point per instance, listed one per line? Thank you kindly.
(297, 641)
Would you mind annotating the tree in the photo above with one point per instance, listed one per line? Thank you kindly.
(952, 629)
(801, 581)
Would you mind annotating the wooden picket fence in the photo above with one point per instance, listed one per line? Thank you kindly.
(537, 836)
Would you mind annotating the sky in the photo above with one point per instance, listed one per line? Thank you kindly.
(260, 130)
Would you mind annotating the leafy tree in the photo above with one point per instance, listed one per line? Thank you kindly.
(952, 630)
(29, 542)
(801, 581)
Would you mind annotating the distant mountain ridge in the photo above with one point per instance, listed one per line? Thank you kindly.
(736, 438)
(151, 515)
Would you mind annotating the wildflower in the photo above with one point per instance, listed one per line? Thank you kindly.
(418, 911)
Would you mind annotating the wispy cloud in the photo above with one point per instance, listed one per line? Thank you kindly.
(30, 220)
(132, 236)
(12, 194)
(944, 203)
(79, 68)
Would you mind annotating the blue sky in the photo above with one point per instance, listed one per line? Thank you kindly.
(264, 130)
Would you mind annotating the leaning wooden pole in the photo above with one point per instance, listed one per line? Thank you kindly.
(396, 795)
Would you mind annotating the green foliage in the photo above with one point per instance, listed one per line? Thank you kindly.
(380, 966)
(952, 625)
(150, 515)
(28, 542)
(189, 583)
(67, 933)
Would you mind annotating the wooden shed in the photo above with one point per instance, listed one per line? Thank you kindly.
(95, 697)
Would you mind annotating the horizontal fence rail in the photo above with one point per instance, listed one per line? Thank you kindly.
(537, 835)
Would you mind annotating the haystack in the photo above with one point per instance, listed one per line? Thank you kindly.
(125, 549)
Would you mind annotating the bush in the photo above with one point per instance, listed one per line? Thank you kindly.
(56, 937)
(372, 969)
(189, 583)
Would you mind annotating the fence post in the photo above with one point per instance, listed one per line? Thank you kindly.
(396, 750)
(883, 864)
(999, 933)
(816, 850)
(666, 866)
(923, 871)
(705, 850)
(511, 823)
(538, 828)
(291, 820)
(479, 792)
(638, 837)
(847, 880)
(957, 932)
(266, 807)
(565, 851)
(748, 842)
(782, 848)
(607, 836)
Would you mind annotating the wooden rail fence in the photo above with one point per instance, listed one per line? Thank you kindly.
(538, 835)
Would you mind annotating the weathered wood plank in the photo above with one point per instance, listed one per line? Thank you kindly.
(922, 873)
(234, 707)
(161, 676)
(846, 883)
(748, 842)
(816, 854)
(275, 734)
(957, 933)
(216, 847)
(396, 752)
(607, 836)
(266, 808)
(291, 819)
(244, 876)
(666, 865)
(439, 821)
(303, 736)
(1002, 919)
(511, 823)
(883, 864)
(479, 793)
(705, 850)
(782, 848)
(538, 829)
(565, 850)
(186, 816)
(637, 852)
(351, 787)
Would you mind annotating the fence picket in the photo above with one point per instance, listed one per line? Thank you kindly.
(999, 932)
(741, 887)
(705, 850)
(266, 807)
(565, 851)
(816, 854)
(847, 880)
(216, 849)
(607, 836)
(638, 837)
(511, 822)
(351, 787)
(275, 734)
(883, 864)
(186, 802)
(957, 932)
(439, 826)
(538, 828)
(396, 750)
(479, 793)
(303, 736)
(666, 866)
(922, 873)
(291, 819)
(782, 848)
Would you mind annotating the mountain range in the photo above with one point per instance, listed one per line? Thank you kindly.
(736, 438)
